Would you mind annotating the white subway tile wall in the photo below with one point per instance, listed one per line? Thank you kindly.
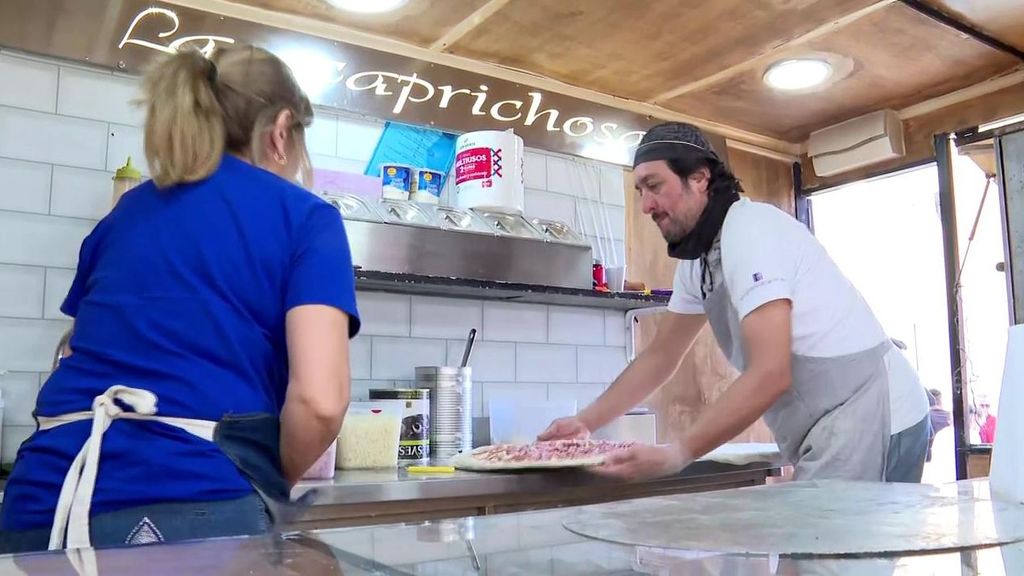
(322, 136)
(360, 357)
(64, 128)
(575, 326)
(444, 317)
(28, 84)
(491, 361)
(21, 291)
(80, 193)
(535, 168)
(384, 314)
(397, 358)
(28, 345)
(19, 391)
(38, 240)
(545, 363)
(512, 392)
(613, 189)
(541, 204)
(515, 322)
(99, 96)
(125, 142)
(26, 186)
(58, 282)
(600, 365)
(615, 328)
(357, 138)
(42, 137)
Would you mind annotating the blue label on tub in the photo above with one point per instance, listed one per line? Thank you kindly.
(430, 182)
(396, 177)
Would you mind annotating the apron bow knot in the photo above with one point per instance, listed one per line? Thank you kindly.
(72, 515)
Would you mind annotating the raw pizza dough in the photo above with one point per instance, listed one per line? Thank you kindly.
(465, 461)
(743, 453)
(738, 454)
(468, 461)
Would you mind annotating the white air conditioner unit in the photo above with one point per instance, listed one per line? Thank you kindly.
(856, 143)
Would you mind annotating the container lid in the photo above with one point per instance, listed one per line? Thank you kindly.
(399, 393)
(429, 371)
(128, 171)
(353, 207)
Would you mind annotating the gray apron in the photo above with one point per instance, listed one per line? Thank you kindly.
(833, 422)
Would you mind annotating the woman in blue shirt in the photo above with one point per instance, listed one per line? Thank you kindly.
(209, 365)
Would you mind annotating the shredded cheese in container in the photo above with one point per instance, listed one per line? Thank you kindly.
(369, 435)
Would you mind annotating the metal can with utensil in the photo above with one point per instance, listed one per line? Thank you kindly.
(414, 444)
(451, 408)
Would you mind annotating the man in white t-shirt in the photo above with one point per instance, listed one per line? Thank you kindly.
(840, 399)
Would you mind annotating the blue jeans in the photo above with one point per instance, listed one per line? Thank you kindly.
(156, 523)
(907, 452)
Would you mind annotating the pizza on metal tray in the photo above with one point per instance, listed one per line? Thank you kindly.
(553, 454)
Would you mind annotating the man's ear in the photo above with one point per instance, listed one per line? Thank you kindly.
(701, 177)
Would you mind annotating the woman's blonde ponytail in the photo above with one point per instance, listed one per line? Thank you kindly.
(184, 132)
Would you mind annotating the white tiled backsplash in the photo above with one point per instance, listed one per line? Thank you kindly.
(64, 128)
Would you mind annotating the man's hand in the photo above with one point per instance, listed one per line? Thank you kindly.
(644, 462)
(565, 429)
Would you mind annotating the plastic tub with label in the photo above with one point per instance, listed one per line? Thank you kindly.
(370, 435)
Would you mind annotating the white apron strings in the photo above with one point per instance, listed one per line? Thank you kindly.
(72, 514)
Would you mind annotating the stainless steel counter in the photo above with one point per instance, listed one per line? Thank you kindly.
(358, 497)
(534, 544)
(362, 486)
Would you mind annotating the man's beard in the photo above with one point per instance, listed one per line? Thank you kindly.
(674, 230)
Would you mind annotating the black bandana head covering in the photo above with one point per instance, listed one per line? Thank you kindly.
(680, 140)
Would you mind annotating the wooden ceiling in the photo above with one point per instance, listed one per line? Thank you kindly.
(706, 58)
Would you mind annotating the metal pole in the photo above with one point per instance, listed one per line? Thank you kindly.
(951, 251)
(800, 200)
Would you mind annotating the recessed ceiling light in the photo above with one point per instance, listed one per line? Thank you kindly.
(798, 74)
(368, 6)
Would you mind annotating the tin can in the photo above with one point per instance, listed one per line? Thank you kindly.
(451, 407)
(414, 443)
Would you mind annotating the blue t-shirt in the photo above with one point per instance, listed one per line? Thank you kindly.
(182, 292)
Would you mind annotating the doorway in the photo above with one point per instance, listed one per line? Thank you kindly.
(885, 234)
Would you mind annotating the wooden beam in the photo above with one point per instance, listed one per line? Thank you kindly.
(340, 33)
(989, 86)
(737, 145)
(469, 23)
(771, 54)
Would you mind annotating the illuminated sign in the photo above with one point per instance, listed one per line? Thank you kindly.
(334, 74)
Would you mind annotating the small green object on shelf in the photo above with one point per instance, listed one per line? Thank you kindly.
(128, 171)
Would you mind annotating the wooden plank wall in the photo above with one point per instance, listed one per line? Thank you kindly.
(704, 373)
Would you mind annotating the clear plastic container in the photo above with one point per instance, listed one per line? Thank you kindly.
(370, 435)
(323, 468)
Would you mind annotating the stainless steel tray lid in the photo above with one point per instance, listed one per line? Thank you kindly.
(457, 219)
(405, 212)
(558, 231)
(353, 207)
(509, 224)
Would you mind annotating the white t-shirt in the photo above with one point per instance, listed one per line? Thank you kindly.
(768, 255)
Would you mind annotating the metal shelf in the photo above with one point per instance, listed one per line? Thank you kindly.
(505, 291)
